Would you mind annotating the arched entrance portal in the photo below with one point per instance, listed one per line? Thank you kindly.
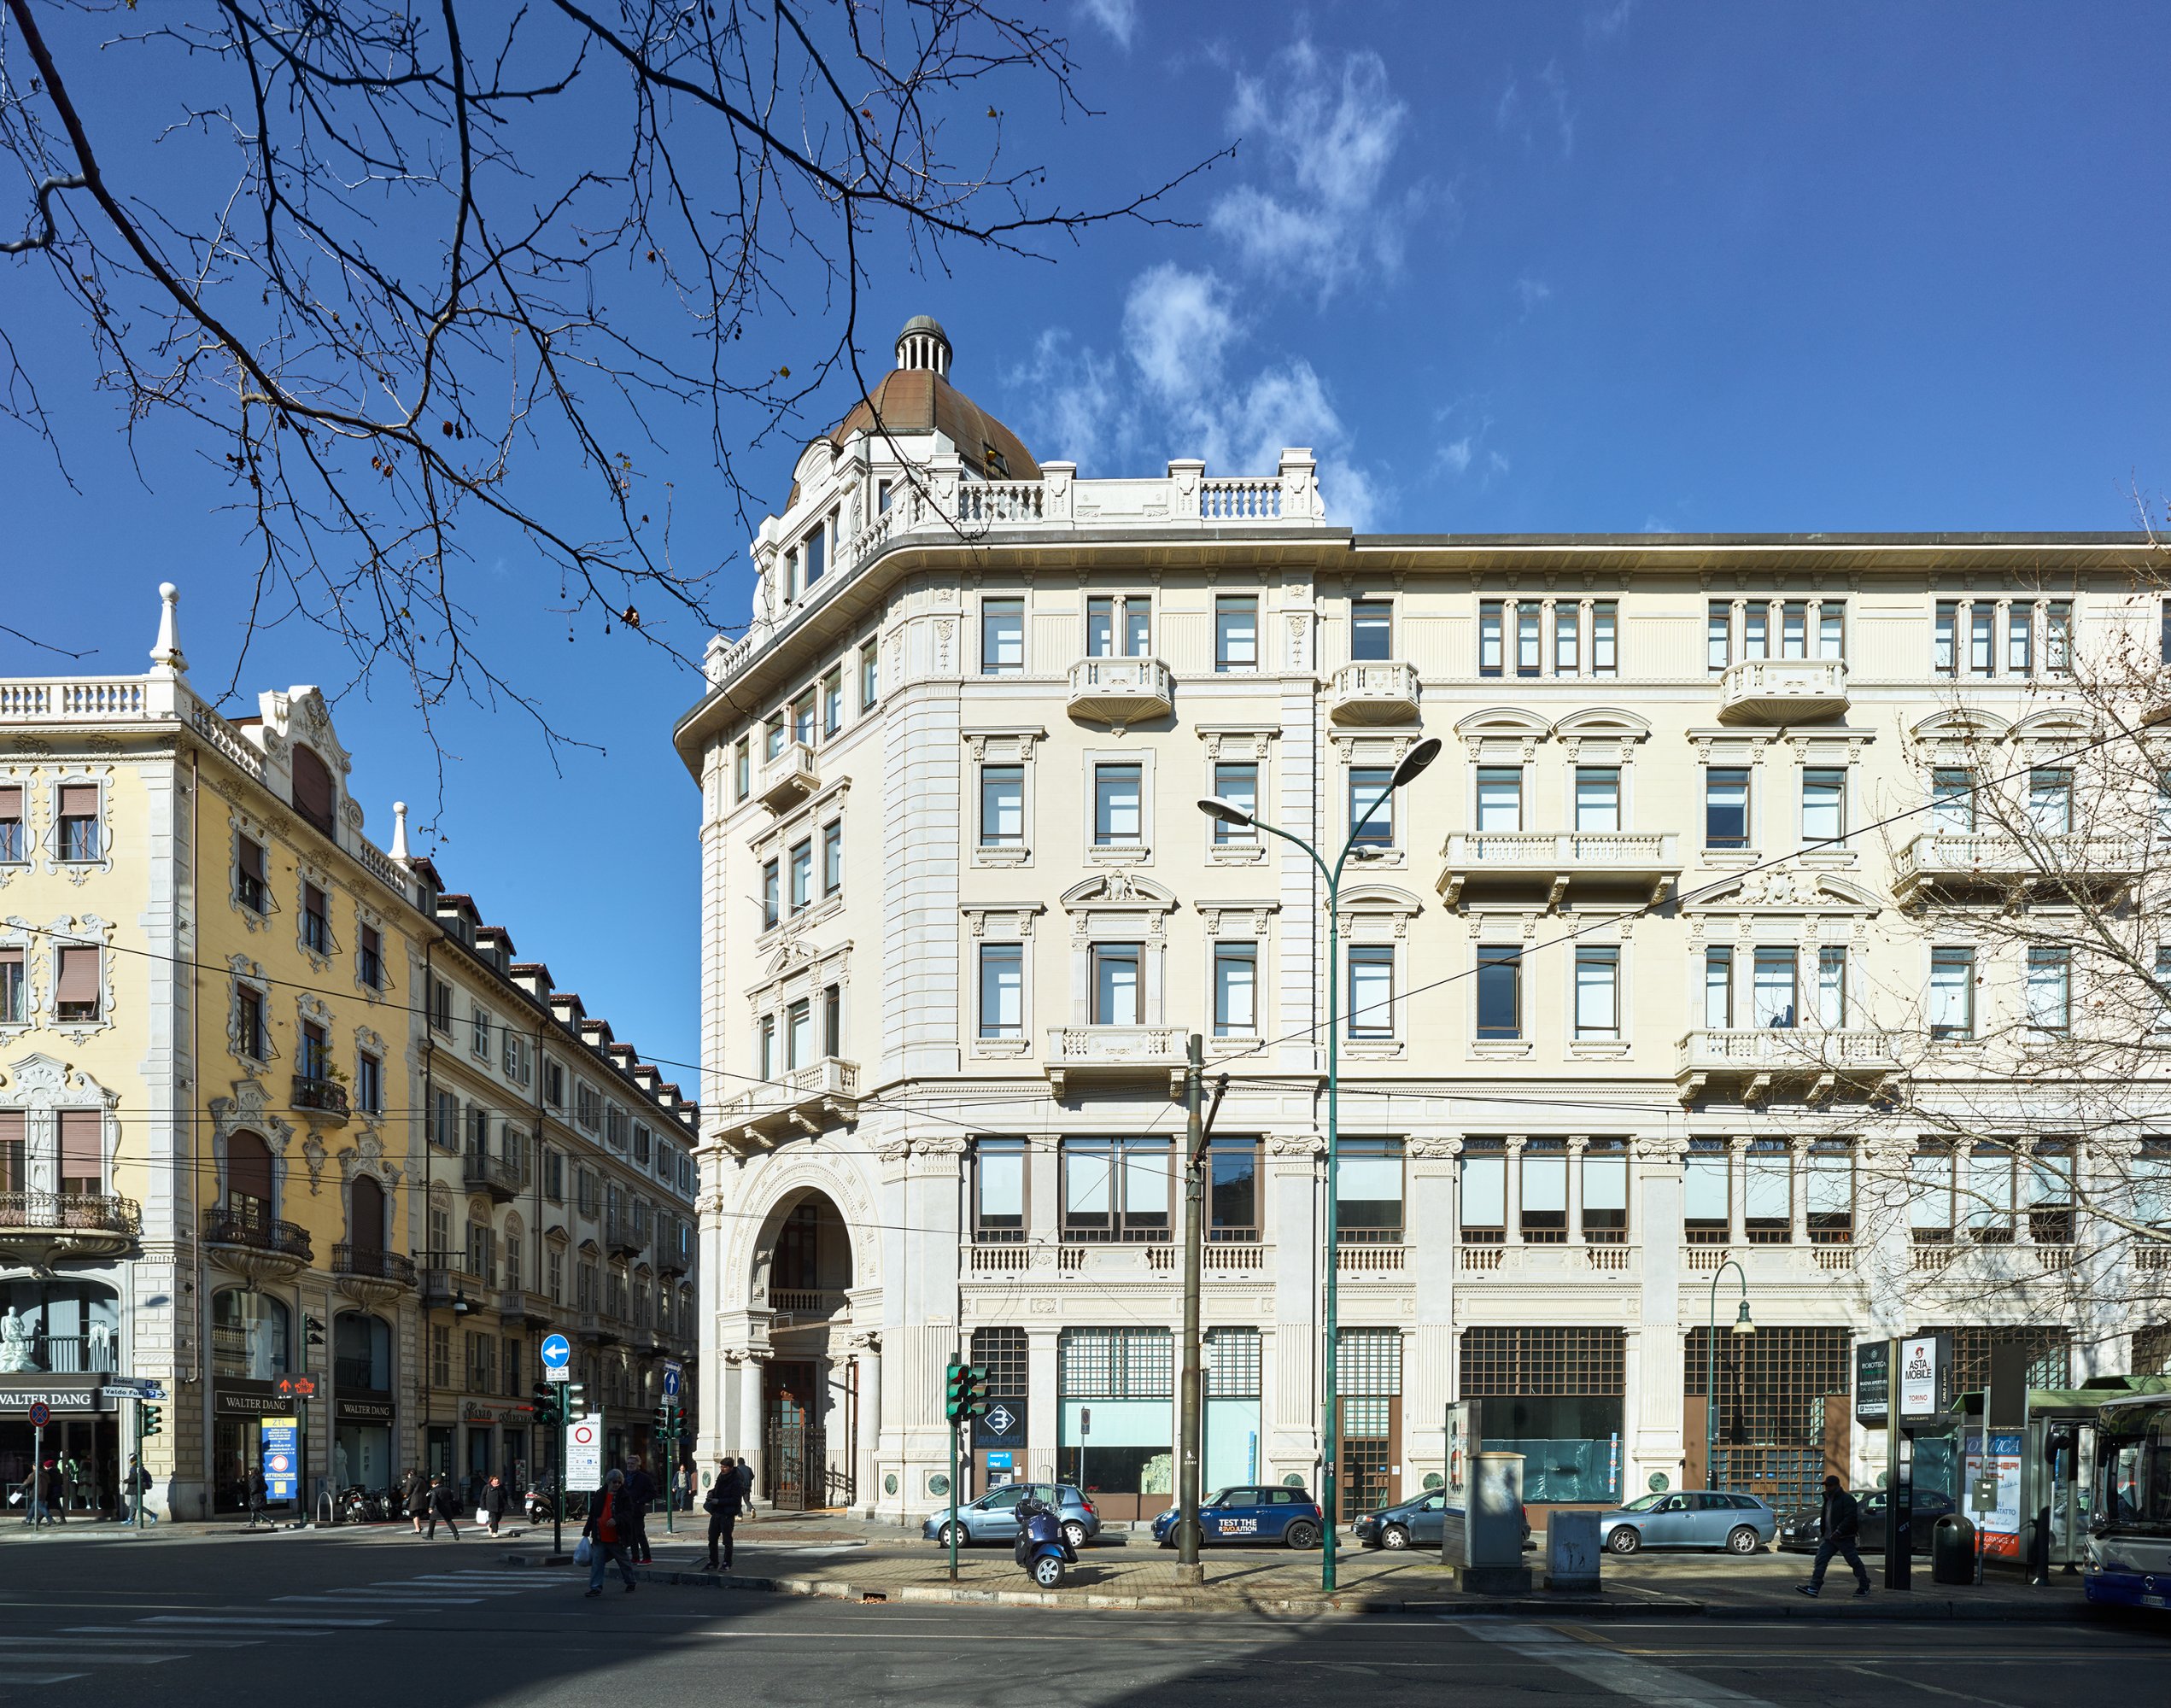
(810, 1402)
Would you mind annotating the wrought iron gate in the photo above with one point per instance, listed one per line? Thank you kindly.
(794, 1465)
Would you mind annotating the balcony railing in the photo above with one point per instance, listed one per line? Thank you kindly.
(623, 1234)
(1645, 860)
(1946, 859)
(789, 778)
(1120, 691)
(493, 1175)
(1373, 693)
(1113, 1051)
(367, 1263)
(323, 1098)
(807, 1097)
(252, 1233)
(1753, 1059)
(69, 1212)
(807, 1301)
(1781, 690)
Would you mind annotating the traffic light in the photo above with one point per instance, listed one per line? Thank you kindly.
(546, 1405)
(315, 1327)
(153, 1421)
(975, 1390)
(666, 1420)
(575, 1403)
(953, 1392)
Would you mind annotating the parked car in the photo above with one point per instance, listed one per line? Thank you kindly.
(994, 1518)
(1801, 1532)
(1689, 1518)
(1421, 1522)
(1275, 1513)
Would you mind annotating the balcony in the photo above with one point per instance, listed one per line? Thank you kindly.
(1646, 861)
(369, 1277)
(518, 1305)
(792, 1306)
(324, 1100)
(789, 778)
(448, 1284)
(1781, 690)
(1952, 861)
(256, 1247)
(1120, 691)
(1099, 1052)
(492, 1175)
(1377, 692)
(597, 1326)
(807, 1099)
(39, 1228)
(1753, 1063)
(624, 1235)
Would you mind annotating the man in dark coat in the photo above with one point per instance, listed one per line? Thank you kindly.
(640, 1492)
(609, 1518)
(259, 1493)
(722, 1504)
(1837, 1525)
(444, 1503)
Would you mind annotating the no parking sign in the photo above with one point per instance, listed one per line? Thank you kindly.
(584, 1452)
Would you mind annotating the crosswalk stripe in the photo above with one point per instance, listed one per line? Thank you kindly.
(169, 1639)
(42, 1677)
(384, 1600)
(102, 1658)
(313, 1620)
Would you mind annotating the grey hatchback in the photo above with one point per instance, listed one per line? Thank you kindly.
(994, 1518)
(1689, 1518)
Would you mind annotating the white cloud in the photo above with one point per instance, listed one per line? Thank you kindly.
(1514, 116)
(1532, 292)
(1120, 18)
(1076, 400)
(1328, 134)
(1606, 23)
(1177, 324)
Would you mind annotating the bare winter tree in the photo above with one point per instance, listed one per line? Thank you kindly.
(397, 269)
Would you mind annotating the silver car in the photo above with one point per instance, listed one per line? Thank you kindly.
(1689, 1518)
(994, 1518)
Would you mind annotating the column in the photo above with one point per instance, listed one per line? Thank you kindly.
(1292, 1409)
(1044, 1401)
(1653, 1410)
(867, 1493)
(750, 1373)
(1511, 1210)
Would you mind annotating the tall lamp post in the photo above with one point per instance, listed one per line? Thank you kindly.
(1742, 1327)
(1228, 812)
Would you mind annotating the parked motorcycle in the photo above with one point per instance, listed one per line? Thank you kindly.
(1041, 1548)
(358, 1505)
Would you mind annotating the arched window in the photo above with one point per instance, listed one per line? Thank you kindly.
(362, 1352)
(312, 789)
(249, 1335)
(365, 1214)
(248, 1178)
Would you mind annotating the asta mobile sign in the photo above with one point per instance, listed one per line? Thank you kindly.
(1925, 1375)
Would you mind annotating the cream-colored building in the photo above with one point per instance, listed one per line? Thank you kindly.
(224, 1012)
(1627, 977)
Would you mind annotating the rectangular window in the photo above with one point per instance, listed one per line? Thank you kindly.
(1831, 987)
(1118, 630)
(1232, 1189)
(1544, 1214)
(2058, 635)
(1138, 627)
(251, 884)
(1484, 1192)
(1831, 630)
(1930, 1192)
(798, 1033)
(1706, 1192)
(444, 1121)
(742, 768)
(2049, 989)
(369, 959)
(1236, 633)
(79, 991)
(479, 1031)
(1756, 623)
(1726, 807)
(1500, 799)
(1001, 637)
(1604, 642)
(1981, 621)
(1372, 990)
(998, 1188)
(1718, 990)
(1118, 817)
(79, 816)
(1598, 798)
(772, 737)
(2050, 1193)
(2019, 641)
(1116, 1189)
(1117, 997)
(1794, 630)
(833, 856)
(1567, 640)
(771, 894)
(2049, 802)
(802, 719)
(765, 1048)
(1827, 1191)
(1368, 1191)
(369, 1083)
(1238, 785)
(1823, 806)
(1945, 653)
(1598, 992)
(1236, 989)
(315, 1059)
(1489, 637)
(1953, 993)
(1002, 806)
(11, 986)
(833, 702)
(1100, 627)
(1953, 803)
(1368, 793)
(814, 553)
(1605, 1193)
(1719, 636)
(1771, 989)
(1989, 1194)
(1768, 1192)
(1002, 989)
(248, 1015)
(870, 675)
(1527, 638)
(11, 838)
(1371, 631)
(1499, 990)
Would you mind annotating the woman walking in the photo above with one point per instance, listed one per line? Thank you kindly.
(414, 1494)
(609, 1529)
(495, 1495)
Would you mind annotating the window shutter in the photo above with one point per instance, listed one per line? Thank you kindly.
(252, 858)
(83, 1149)
(79, 981)
(79, 800)
(11, 801)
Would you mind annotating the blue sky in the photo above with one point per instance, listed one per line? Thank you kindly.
(1615, 266)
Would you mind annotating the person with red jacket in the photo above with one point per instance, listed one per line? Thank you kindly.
(610, 1530)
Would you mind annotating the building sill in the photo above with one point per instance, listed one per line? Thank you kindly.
(1502, 1050)
(1002, 857)
(1132, 854)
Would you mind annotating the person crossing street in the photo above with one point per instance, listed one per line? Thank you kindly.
(641, 1492)
(1839, 1525)
(444, 1503)
(610, 1521)
(722, 1504)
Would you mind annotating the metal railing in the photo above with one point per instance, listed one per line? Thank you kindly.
(319, 1096)
(88, 1212)
(257, 1232)
(371, 1264)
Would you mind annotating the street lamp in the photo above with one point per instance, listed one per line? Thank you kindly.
(1742, 1329)
(1228, 812)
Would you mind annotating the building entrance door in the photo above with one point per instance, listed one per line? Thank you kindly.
(792, 1458)
(1370, 1476)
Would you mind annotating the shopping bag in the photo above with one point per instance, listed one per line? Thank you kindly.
(582, 1552)
(481, 1518)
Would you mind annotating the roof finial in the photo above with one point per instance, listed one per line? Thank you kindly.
(165, 651)
(923, 345)
(399, 832)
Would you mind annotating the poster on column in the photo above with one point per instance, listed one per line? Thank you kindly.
(282, 1440)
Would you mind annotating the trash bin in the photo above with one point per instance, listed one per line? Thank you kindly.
(1952, 1551)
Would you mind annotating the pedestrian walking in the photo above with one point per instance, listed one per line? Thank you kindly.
(609, 1520)
(69, 1472)
(494, 1495)
(1837, 1525)
(641, 1492)
(258, 1496)
(139, 1482)
(444, 1504)
(745, 1475)
(722, 1504)
(414, 1497)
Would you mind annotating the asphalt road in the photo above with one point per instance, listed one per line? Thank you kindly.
(335, 1621)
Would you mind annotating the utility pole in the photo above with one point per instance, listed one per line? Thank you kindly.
(1188, 1569)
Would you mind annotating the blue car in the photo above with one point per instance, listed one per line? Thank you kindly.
(1274, 1513)
(1690, 1519)
(994, 1518)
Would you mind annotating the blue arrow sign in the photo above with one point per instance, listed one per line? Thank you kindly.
(670, 1382)
(557, 1351)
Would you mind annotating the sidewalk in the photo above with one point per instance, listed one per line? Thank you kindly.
(839, 1559)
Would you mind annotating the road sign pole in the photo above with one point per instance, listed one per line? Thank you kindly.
(135, 1471)
(38, 1478)
(558, 1516)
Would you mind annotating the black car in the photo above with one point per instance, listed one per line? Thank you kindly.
(1802, 1531)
